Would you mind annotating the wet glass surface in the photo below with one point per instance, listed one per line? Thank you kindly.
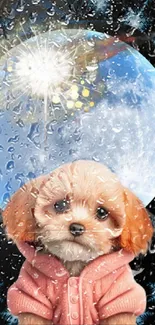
(85, 86)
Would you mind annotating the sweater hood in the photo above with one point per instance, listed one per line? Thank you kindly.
(53, 268)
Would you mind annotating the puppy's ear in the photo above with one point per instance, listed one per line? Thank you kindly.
(18, 217)
(138, 230)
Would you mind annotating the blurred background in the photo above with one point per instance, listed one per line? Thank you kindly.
(133, 22)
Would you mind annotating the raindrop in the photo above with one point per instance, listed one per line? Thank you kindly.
(118, 128)
(35, 2)
(12, 156)
(1, 174)
(72, 152)
(49, 128)
(33, 17)
(33, 162)
(11, 149)
(92, 67)
(96, 159)
(20, 177)
(6, 198)
(91, 43)
(17, 109)
(11, 14)
(1, 112)
(10, 165)
(20, 6)
(10, 25)
(132, 186)
(20, 123)
(68, 218)
(135, 272)
(51, 11)
(31, 175)
(14, 139)
(20, 224)
(36, 275)
(61, 272)
(91, 14)
(33, 133)
(34, 192)
(1, 148)
(8, 187)
(66, 19)
(152, 249)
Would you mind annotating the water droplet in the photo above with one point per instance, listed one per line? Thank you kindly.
(104, 128)
(36, 276)
(34, 261)
(6, 198)
(1, 174)
(10, 25)
(1, 112)
(20, 177)
(51, 11)
(33, 133)
(132, 186)
(66, 19)
(17, 109)
(96, 159)
(118, 128)
(10, 165)
(68, 217)
(20, 123)
(1, 148)
(72, 152)
(152, 250)
(14, 139)
(61, 272)
(31, 175)
(33, 17)
(20, 224)
(8, 187)
(11, 149)
(34, 192)
(35, 2)
(20, 6)
(49, 128)
(135, 272)
(33, 162)
(11, 14)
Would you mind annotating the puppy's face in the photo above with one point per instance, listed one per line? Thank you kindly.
(79, 211)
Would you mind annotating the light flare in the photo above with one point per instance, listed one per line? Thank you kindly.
(42, 72)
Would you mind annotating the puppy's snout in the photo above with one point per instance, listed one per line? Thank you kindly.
(76, 229)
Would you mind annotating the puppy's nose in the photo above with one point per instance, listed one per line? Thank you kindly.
(76, 229)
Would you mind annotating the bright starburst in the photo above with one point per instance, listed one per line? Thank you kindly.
(50, 75)
(43, 72)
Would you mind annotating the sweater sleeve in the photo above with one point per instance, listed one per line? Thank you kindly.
(28, 294)
(123, 296)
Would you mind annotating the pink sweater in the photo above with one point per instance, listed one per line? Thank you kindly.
(105, 287)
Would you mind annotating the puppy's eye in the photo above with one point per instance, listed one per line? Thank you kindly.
(62, 206)
(102, 213)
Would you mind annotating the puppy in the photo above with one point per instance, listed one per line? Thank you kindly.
(77, 224)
